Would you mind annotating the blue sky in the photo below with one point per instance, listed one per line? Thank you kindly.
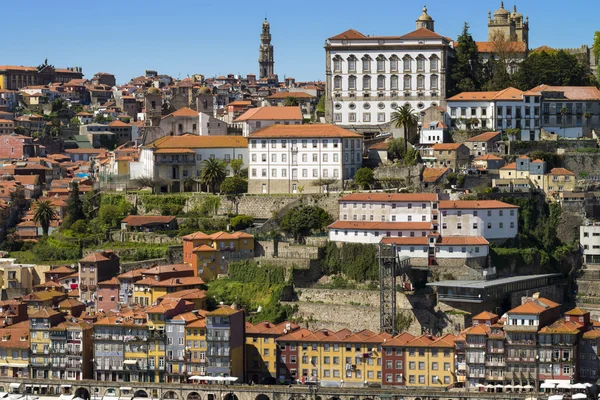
(183, 37)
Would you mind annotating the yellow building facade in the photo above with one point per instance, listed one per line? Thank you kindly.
(430, 361)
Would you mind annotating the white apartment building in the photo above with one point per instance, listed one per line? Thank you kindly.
(423, 227)
(490, 219)
(302, 158)
(589, 241)
(261, 117)
(185, 120)
(368, 77)
(497, 111)
(177, 158)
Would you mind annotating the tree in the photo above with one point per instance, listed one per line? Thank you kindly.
(396, 149)
(504, 53)
(467, 69)
(110, 215)
(405, 117)
(557, 68)
(212, 173)
(74, 206)
(596, 46)
(301, 221)
(240, 222)
(44, 215)
(233, 188)
(236, 166)
(91, 204)
(291, 101)
(74, 121)
(149, 182)
(364, 177)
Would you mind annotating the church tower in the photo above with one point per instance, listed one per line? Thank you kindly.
(265, 58)
(425, 21)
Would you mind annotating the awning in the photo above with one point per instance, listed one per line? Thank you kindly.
(547, 385)
(3, 395)
(489, 386)
(508, 386)
(479, 385)
(125, 397)
(195, 378)
(110, 398)
(130, 362)
(518, 387)
(15, 385)
(579, 396)
(498, 386)
(578, 386)
(564, 385)
(66, 396)
(555, 397)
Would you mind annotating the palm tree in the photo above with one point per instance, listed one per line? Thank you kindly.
(291, 101)
(405, 116)
(212, 173)
(44, 215)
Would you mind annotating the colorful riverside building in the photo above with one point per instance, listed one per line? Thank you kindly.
(225, 333)
(262, 351)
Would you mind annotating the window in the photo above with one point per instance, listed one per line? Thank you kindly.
(420, 64)
(433, 64)
(337, 83)
(381, 82)
(366, 82)
(420, 82)
(366, 64)
(394, 82)
(394, 64)
(406, 82)
(366, 117)
(434, 82)
(337, 65)
(352, 83)
(352, 64)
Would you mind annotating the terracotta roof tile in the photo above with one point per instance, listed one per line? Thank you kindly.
(570, 92)
(285, 95)
(349, 34)
(141, 220)
(199, 142)
(390, 197)
(396, 226)
(474, 204)
(560, 171)
(303, 131)
(484, 137)
(406, 241)
(489, 157)
(446, 146)
(463, 241)
(292, 113)
(432, 175)
(485, 315)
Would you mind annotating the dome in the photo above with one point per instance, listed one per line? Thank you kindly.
(502, 11)
(205, 90)
(153, 90)
(424, 16)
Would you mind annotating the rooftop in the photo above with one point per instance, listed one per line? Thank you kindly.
(480, 284)
(292, 113)
(303, 131)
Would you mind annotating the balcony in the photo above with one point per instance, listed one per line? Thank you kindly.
(475, 374)
(522, 342)
(521, 328)
(494, 378)
(475, 345)
(496, 350)
(495, 363)
(461, 366)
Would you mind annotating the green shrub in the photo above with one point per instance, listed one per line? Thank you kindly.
(241, 222)
(249, 271)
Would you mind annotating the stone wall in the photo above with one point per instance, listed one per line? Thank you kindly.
(411, 175)
(143, 237)
(130, 265)
(555, 293)
(549, 146)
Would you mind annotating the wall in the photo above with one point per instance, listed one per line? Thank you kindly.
(143, 237)
(411, 175)
(555, 293)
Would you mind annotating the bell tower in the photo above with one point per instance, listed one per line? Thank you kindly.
(265, 57)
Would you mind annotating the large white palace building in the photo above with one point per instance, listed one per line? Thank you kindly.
(369, 76)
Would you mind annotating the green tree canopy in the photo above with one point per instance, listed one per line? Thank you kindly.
(236, 166)
(364, 177)
(233, 188)
(466, 71)
(301, 221)
(212, 173)
(596, 46)
(291, 101)
(406, 118)
(552, 68)
(74, 206)
(44, 215)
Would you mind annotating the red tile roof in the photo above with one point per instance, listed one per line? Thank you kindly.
(446, 146)
(141, 220)
(275, 113)
(462, 241)
(199, 142)
(398, 226)
(484, 137)
(349, 34)
(285, 95)
(560, 171)
(390, 197)
(489, 157)
(432, 175)
(406, 241)
(474, 204)
(570, 92)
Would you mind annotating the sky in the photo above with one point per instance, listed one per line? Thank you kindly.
(184, 37)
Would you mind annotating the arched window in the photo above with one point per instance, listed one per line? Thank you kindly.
(433, 63)
(394, 63)
(394, 82)
(366, 63)
(381, 63)
(381, 82)
(420, 63)
(351, 82)
(434, 82)
(420, 82)
(337, 83)
(406, 82)
(337, 64)
(352, 63)
(406, 61)
(366, 82)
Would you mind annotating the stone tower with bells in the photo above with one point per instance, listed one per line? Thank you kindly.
(265, 58)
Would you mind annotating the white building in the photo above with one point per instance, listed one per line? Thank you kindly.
(185, 120)
(302, 158)
(368, 77)
(589, 240)
(435, 133)
(490, 219)
(422, 227)
(177, 158)
(261, 117)
(498, 111)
